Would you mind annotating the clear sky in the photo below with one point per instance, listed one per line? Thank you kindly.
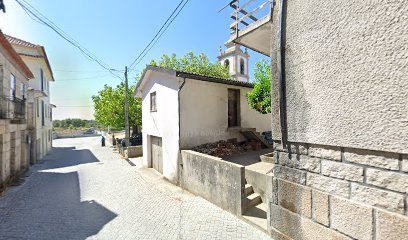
(116, 32)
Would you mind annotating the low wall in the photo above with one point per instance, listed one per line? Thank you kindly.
(321, 192)
(218, 181)
(134, 151)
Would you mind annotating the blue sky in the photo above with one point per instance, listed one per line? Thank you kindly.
(115, 33)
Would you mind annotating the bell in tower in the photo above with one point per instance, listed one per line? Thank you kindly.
(235, 60)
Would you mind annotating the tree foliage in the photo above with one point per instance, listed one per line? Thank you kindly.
(75, 122)
(193, 64)
(109, 107)
(260, 97)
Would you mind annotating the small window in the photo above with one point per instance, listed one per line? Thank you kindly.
(12, 86)
(227, 64)
(242, 66)
(42, 79)
(153, 107)
(22, 90)
(38, 108)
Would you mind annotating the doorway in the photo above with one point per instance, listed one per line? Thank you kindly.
(234, 108)
(157, 153)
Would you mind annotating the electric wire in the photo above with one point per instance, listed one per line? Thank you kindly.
(34, 13)
(157, 39)
(161, 28)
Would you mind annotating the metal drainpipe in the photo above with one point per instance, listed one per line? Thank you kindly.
(281, 77)
(178, 92)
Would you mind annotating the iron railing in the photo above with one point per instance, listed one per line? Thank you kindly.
(247, 12)
(12, 108)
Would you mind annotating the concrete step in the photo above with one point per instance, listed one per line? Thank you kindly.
(257, 216)
(248, 190)
(252, 200)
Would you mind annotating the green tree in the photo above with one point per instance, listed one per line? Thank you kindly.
(260, 97)
(193, 64)
(109, 107)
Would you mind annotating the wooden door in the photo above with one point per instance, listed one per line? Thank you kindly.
(157, 154)
(233, 108)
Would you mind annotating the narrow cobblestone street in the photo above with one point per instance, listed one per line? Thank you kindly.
(82, 190)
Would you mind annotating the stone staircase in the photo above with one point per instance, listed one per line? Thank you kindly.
(254, 209)
(252, 135)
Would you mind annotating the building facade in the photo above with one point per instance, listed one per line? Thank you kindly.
(39, 106)
(182, 110)
(14, 81)
(339, 114)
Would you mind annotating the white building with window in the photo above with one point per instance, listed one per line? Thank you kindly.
(183, 110)
(39, 107)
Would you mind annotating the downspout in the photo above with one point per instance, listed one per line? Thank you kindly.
(280, 61)
(180, 165)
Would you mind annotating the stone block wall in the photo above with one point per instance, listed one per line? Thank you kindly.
(323, 192)
(13, 155)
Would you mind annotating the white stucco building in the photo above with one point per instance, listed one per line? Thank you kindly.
(183, 110)
(14, 79)
(39, 107)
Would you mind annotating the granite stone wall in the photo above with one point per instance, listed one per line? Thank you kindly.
(338, 193)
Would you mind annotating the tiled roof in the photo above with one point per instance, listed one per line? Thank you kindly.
(20, 42)
(12, 53)
(17, 41)
(214, 79)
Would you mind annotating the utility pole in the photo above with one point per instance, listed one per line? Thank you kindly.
(126, 109)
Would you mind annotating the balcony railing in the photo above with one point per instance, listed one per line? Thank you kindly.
(12, 108)
(247, 12)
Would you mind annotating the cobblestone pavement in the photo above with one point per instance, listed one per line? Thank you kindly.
(82, 190)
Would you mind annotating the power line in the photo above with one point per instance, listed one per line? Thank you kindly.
(157, 39)
(161, 28)
(34, 13)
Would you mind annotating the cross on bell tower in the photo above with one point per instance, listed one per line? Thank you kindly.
(236, 60)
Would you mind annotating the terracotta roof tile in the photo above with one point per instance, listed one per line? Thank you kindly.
(17, 41)
(14, 55)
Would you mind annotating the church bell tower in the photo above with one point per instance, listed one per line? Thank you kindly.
(235, 60)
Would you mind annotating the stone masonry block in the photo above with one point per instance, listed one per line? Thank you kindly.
(405, 164)
(296, 148)
(290, 174)
(310, 164)
(387, 179)
(296, 227)
(275, 190)
(351, 218)
(387, 162)
(342, 170)
(329, 185)
(296, 198)
(5, 147)
(378, 198)
(289, 160)
(320, 209)
(391, 226)
(326, 153)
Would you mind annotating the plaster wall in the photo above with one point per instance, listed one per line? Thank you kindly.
(204, 113)
(218, 181)
(40, 133)
(162, 123)
(346, 74)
